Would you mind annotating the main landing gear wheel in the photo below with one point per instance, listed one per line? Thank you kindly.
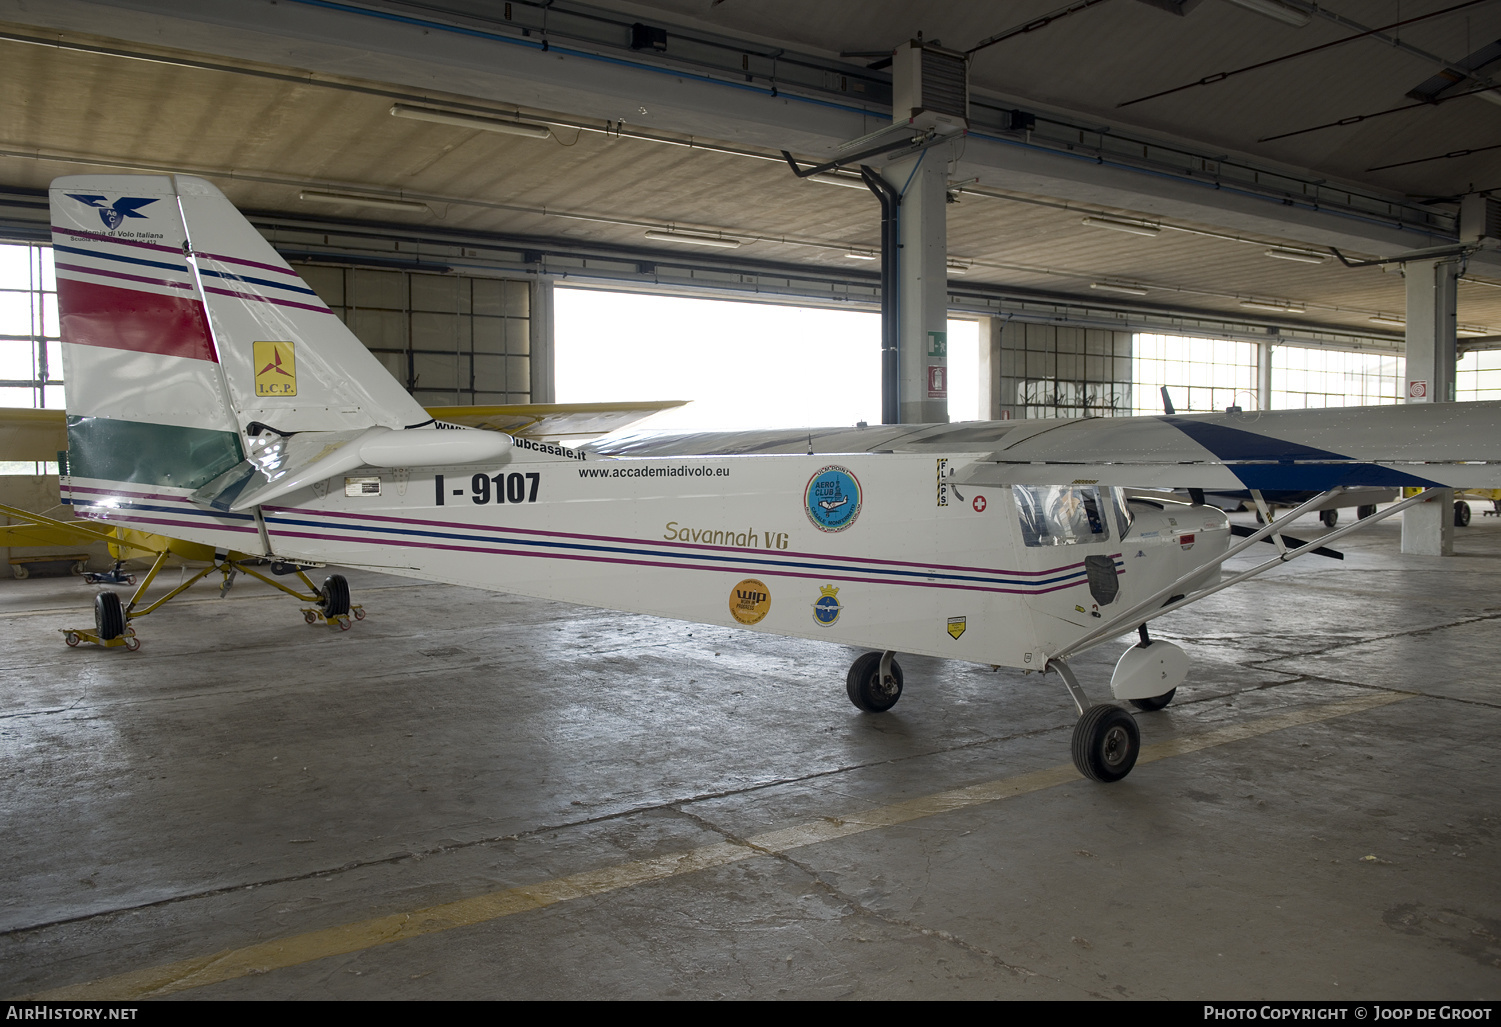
(865, 687)
(1329, 517)
(1106, 743)
(1461, 514)
(109, 616)
(1156, 702)
(335, 597)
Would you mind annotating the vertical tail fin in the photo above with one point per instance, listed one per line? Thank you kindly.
(288, 360)
(181, 326)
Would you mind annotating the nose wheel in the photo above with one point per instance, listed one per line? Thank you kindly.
(1106, 740)
(1106, 743)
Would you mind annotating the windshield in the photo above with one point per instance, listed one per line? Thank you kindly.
(1060, 515)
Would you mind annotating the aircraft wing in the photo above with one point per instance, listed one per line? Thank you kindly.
(32, 434)
(559, 421)
(1454, 445)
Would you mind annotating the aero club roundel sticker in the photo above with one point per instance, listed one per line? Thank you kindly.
(832, 498)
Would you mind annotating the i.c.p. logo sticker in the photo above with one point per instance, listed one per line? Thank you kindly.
(832, 498)
(275, 368)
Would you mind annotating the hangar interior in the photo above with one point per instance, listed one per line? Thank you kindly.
(479, 796)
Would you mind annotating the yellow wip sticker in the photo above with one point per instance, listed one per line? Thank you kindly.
(275, 369)
(750, 601)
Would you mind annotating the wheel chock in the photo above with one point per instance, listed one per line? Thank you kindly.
(72, 636)
(314, 615)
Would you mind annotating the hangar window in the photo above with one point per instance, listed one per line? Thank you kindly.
(31, 366)
(1212, 374)
(1303, 377)
(1200, 374)
(1478, 376)
(450, 339)
(1059, 371)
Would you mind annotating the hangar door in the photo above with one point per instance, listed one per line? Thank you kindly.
(450, 339)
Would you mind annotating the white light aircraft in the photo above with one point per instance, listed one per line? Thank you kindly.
(212, 396)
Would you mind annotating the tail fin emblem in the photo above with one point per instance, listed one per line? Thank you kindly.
(114, 214)
(276, 373)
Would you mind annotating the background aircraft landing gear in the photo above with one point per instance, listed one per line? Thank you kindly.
(112, 628)
(1461, 514)
(1153, 702)
(333, 604)
(871, 688)
(1329, 517)
(1156, 702)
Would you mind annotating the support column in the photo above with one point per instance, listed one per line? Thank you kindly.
(1263, 376)
(543, 362)
(922, 285)
(1428, 528)
(991, 397)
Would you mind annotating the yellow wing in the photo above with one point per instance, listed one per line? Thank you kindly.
(32, 434)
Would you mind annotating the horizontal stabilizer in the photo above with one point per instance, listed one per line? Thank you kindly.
(554, 420)
(306, 458)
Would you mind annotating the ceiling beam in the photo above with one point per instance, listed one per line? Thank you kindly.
(647, 90)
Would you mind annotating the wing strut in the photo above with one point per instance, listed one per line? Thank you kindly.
(1144, 611)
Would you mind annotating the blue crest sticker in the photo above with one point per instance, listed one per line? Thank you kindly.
(114, 214)
(832, 499)
(826, 607)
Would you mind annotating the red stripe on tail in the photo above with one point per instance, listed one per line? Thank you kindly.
(129, 319)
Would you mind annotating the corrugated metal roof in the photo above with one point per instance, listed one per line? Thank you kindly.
(265, 139)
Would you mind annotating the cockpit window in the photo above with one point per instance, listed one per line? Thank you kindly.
(1060, 515)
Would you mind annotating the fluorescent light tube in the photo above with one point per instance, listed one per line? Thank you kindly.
(1472, 331)
(956, 268)
(322, 196)
(693, 239)
(1306, 256)
(515, 128)
(1280, 308)
(1124, 290)
(848, 181)
(1134, 227)
(860, 255)
(1393, 322)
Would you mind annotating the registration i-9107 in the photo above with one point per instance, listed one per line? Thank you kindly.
(502, 487)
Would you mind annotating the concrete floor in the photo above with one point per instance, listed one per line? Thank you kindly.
(576, 790)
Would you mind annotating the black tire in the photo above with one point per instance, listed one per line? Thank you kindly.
(1362, 512)
(865, 689)
(1461, 514)
(1106, 743)
(109, 616)
(1156, 702)
(335, 593)
(1329, 517)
